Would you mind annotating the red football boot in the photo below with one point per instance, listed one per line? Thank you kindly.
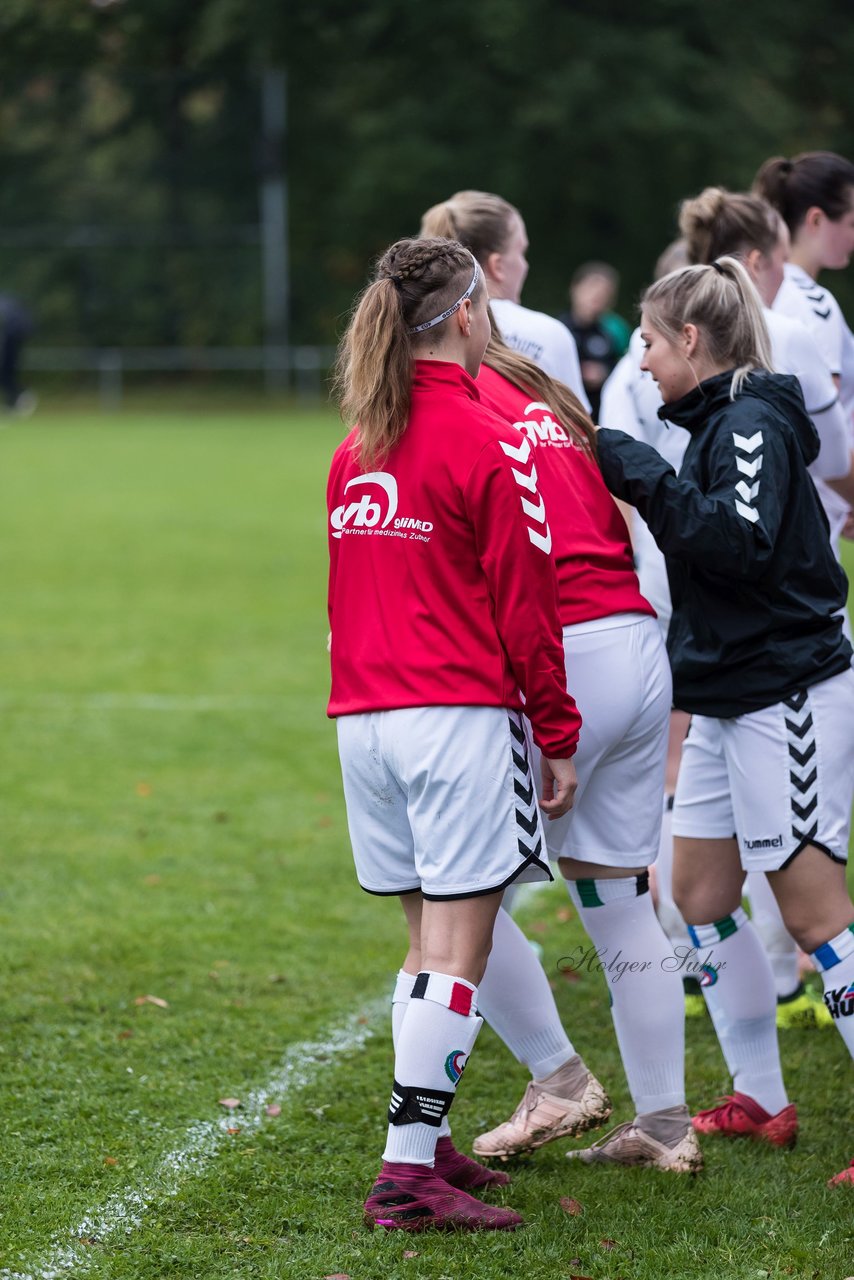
(739, 1116)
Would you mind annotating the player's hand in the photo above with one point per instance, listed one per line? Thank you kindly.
(559, 785)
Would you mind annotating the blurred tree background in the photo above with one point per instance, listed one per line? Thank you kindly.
(131, 141)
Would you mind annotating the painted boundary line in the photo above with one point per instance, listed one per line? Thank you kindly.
(125, 1211)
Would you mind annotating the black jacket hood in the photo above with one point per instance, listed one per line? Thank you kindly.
(780, 391)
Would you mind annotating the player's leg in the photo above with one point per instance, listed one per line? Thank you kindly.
(605, 861)
(812, 730)
(467, 846)
(563, 1099)
(798, 1005)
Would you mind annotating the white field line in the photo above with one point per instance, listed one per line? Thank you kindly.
(140, 702)
(125, 1211)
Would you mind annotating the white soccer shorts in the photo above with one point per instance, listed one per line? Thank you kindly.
(441, 799)
(617, 671)
(778, 779)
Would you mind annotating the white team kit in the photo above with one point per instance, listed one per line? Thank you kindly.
(543, 339)
(779, 778)
(441, 799)
(621, 680)
(803, 299)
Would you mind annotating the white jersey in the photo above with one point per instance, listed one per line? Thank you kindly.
(816, 308)
(803, 299)
(542, 339)
(631, 400)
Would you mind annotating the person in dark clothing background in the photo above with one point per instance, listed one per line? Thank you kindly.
(16, 325)
(600, 334)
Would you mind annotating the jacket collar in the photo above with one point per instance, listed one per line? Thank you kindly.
(443, 375)
(692, 411)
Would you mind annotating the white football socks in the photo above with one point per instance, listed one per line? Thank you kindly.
(516, 1000)
(434, 1038)
(668, 913)
(739, 988)
(647, 1004)
(835, 962)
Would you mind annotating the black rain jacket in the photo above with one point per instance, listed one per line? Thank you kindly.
(755, 584)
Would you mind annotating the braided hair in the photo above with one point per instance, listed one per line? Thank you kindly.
(414, 281)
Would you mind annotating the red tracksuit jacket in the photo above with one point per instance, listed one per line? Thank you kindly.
(442, 587)
(590, 542)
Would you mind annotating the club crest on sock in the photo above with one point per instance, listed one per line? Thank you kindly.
(708, 975)
(840, 1003)
(455, 1065)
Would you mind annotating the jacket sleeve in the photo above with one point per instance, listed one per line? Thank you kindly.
(514, 548)
(729, 528)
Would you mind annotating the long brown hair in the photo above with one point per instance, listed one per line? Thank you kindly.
(722, 302)
(414, 281)
(530, 378)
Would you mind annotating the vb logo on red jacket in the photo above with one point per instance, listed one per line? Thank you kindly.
(375, 509)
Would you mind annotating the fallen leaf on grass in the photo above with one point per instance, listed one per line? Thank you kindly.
(220, 817)
(564, 914)
(125, 1035)
(273, 1110)
(570, 1206)
(339, 1275)
(229, 1103)
(161, 1004)
(143, 789)
(410, 1253)
(151, 880)
(111, 1160)
(324, 820)
(607, 1244)
(232, 1131)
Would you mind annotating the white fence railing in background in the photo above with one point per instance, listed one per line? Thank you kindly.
(300, 369)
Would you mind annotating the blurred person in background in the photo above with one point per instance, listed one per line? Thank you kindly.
(601, 336)
(16, 325)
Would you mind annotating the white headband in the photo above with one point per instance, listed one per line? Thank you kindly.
(429, 324)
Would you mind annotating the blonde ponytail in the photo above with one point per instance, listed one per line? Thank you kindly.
(722, 302)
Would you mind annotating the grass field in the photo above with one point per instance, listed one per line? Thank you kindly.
(172, 827)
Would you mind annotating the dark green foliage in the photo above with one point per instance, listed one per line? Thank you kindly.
(595, 118)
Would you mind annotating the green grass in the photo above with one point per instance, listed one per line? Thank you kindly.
(195, 849)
